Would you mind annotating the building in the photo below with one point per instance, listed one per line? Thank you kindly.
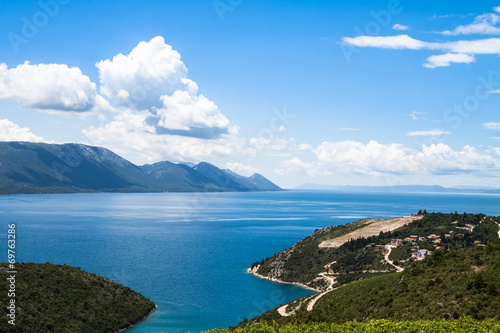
(396, 242)
(422, 253)
(379, 248)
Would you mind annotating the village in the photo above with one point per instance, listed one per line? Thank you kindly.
(419, 253)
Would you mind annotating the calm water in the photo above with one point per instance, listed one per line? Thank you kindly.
(188, 252)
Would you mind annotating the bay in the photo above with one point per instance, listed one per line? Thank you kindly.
(188, 252)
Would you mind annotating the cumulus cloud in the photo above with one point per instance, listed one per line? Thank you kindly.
(131, 133)
(376, 159)
(183, 111)
(434, 132)
(445, 60)
(51, 87)
(400, 27)
(483, 24)
(10, 131)
(154, 78)
(139, 79)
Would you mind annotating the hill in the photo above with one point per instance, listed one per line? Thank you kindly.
(460, 277)
(60, 298)
(27, 167)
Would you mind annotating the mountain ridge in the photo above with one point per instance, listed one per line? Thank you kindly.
(33, 168)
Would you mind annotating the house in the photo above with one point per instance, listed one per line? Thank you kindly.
(396, 242)
(437, 241)
(433, 236)
(379, 248)
(447, 235)
(422, 253)
(412, 238)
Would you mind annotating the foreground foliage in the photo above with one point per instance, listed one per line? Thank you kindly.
(60, 298)
(463, 325)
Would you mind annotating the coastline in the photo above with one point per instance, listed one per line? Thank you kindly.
(139, 321)
(298, 284)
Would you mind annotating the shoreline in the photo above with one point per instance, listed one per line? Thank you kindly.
(298, 284)
(139, 321)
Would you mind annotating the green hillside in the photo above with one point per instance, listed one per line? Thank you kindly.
(28, 167)
(359, 258)
(60, 298)
(461, 278)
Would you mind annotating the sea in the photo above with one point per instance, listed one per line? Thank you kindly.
(188, 252)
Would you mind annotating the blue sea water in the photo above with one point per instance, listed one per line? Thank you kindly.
(188, 252)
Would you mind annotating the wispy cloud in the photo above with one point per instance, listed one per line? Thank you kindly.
(461, 51)
(400, 27)
(483, 24)
(492, 126)
(445, 60)
(415, 115)
(433, 132)
(349, 129)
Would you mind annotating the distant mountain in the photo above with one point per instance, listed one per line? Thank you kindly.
(401, 188)
(27, 167)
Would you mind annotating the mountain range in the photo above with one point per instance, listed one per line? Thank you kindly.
(401, 188)
(27, 167)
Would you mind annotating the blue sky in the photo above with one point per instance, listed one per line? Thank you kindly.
(343, 93)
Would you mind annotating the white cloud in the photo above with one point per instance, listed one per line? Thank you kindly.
(497, 9)
(479, 46)
(376, 159)
(131, 134)
(444, 60)
(10, 131)
(461, 51)
(282, 146)
(183, 111)
(349, 129)
(387, 42)
(434, 132)
(139, 79)
(240, 168)
(492, 126)
(51, 87)
(483, 24)
(415, 115)
(154, 78)
(400, 27)
(493, 91)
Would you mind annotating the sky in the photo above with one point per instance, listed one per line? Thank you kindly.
(386, 93)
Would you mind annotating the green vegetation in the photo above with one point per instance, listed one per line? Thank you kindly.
(464, 325)
(357, 259)
(60, 298)
(446, 285)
